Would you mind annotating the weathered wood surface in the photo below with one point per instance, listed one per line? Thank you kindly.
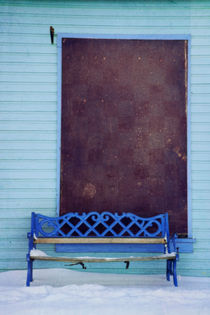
(107, 259)
(99, 240)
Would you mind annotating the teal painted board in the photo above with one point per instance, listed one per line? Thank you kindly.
(37, 116)
(200, 79)
(27, 184)
(24, 212)
(30, 203)
(28, 106)
(27, 174)
(28, 77)
(28, 125)
(203, 127)
(29, 155)
(200, 185)
(29, 136)
(23, 47)
(201, 166)
(28, 194)
(28, 113)
(27, 145)
(20, 87)
(201, 156)
(200, 205)
(200, 146)
(197, 108)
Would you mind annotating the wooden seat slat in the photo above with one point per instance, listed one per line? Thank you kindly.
(107, 259)
(99, 240)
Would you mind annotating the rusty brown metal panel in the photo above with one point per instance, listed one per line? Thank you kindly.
(124, 145)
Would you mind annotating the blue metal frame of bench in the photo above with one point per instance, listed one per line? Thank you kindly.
(105, 227)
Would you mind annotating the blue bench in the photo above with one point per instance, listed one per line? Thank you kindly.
(102, 228)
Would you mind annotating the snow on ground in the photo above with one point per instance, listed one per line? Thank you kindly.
(62, 291)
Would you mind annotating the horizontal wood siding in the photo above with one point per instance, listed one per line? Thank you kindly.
(28, 110)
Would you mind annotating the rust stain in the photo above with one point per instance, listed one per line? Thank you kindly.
(89, 191)
(179, 154)
(184, 158)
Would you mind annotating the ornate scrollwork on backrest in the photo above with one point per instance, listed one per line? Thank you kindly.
(105, 224)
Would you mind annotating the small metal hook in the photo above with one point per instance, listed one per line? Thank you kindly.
(52, 32)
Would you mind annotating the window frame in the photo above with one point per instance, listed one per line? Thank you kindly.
(185, 244)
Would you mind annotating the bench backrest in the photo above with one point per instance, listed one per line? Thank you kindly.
(94, 224)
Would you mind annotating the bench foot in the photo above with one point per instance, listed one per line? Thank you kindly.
(29, 271)
(171, 270)
(174, 274)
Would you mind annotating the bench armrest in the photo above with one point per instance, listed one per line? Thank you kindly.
(173, 245)
(31, 244)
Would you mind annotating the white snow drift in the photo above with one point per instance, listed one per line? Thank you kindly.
(61, 291)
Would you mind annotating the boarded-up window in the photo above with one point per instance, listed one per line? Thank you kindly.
(123, 127)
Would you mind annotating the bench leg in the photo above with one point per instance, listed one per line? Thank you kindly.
(29, 271)
(168, 269)
(174, 274)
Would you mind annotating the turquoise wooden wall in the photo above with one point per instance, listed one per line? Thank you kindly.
(28, 108)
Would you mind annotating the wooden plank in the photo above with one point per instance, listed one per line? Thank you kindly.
(101, 240)
(107, 259)
(27, 174)
(27, 165)
(19, 116)
(28, 145)
(27, 203)
(28, 125)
